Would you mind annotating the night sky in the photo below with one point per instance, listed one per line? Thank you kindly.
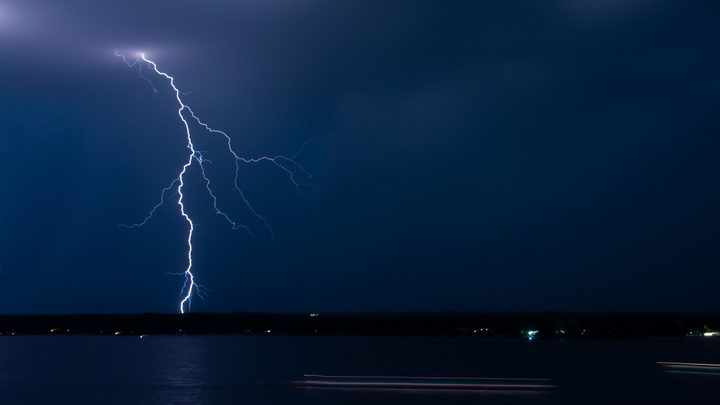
(470, 156)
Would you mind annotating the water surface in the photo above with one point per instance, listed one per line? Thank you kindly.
(254, 369)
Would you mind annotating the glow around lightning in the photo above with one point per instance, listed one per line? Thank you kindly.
(287, 164)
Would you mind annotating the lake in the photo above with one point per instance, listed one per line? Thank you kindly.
(229, 369)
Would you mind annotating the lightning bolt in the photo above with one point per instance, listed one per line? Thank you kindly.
(195, 157)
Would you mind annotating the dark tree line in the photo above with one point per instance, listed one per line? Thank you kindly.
(494, 324)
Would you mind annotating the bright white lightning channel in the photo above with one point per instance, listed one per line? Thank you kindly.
(288, 164)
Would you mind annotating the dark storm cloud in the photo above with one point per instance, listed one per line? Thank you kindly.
(476, 155)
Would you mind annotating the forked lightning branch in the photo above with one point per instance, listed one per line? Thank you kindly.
(195, 157)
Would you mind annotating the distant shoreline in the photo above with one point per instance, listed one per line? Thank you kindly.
(540, 325)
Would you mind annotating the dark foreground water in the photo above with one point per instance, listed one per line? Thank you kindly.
(251, 369)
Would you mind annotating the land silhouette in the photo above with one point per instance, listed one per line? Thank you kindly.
(541, 325)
